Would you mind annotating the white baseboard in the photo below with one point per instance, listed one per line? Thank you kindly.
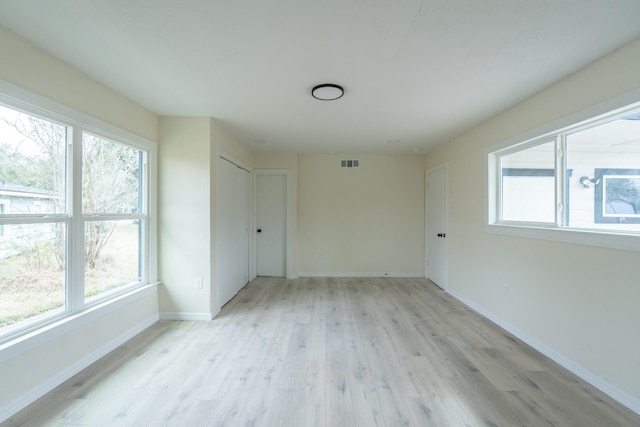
(624, 398)
(167, 315)
(352, 274)
(35, 393)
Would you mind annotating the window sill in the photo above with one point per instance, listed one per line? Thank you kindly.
(612, 240)
(22, 343)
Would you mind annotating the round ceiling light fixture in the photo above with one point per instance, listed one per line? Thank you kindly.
(327, 92)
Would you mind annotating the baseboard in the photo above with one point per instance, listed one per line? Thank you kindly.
(612, 391)
(352, 274)
(167, 315)
(37, 392)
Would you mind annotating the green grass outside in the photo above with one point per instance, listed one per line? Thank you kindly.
(32, 284)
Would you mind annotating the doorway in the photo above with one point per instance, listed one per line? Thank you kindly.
(436, 262)
(273, 223)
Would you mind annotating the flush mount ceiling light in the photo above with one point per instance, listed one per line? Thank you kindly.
(327, 92)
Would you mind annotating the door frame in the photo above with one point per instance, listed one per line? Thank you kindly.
(287, 173)
(445, 167)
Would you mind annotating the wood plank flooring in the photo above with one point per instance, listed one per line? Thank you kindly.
(328, 352)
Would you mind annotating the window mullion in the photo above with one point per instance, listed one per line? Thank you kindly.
(561, 180)
(496, 176)
(75, 272)
(143, 208)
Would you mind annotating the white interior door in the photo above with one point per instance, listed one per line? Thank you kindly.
(271, 211)
(436, 226)
(232, 243)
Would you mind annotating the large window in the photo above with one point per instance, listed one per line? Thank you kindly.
(74, 216)
(583, 177)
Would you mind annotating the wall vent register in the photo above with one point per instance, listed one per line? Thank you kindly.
(350, 163)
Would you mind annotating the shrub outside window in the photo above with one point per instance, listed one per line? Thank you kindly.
(113, 216)
(34, 218)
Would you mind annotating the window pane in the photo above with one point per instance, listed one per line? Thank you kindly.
(605, 182)
(32, 164)
(528, 184)
(110, 176)
(112, 255)
(32, 262)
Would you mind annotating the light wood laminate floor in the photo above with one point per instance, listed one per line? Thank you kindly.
(328, 352)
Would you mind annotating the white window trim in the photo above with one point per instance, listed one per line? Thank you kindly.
(20, 99)
(584, 118)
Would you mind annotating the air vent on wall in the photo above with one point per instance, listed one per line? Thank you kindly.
(350, 163)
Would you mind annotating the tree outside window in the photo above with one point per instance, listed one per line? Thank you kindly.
(34, 167)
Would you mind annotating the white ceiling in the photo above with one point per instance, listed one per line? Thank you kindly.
(415, 71)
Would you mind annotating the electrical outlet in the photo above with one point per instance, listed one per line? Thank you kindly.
(199, 283)
(507, 290)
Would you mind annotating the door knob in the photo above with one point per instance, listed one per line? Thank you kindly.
(439, 234)
(259, 230)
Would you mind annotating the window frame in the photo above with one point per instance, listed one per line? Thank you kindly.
(143, 216)
(78, 123)
(557, 130)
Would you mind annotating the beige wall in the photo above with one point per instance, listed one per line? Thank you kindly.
(188, 150)
(364, 221)
(184, 205)
(221, 140)
(26, 66)
(276, 161)
(579, 302)
(45, 363)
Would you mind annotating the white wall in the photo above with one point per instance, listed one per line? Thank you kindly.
(361, 221)
(35, 364)
(578, 303)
